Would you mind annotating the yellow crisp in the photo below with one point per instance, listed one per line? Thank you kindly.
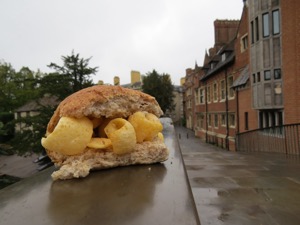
(99, 143)
(70, 136)
(146, 126)
(122, 135)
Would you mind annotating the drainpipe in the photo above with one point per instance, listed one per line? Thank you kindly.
(237, 110)
(237, 118)
(226, 109)
(206, 110)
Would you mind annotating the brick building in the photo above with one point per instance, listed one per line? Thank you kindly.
(190, 85)
(249, 79)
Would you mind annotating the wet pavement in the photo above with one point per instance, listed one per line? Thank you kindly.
(239, 188)
(18, 166)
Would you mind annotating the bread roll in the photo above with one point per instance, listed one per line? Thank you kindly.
(105, 102)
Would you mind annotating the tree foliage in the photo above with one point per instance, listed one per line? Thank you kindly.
(56, 85)
(33, 129)
(16, 87)
(160, 87)
(75, 72)
(20, 87)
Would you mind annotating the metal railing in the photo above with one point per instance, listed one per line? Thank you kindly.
(281, 139)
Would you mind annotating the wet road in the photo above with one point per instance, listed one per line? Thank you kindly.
(241, 188)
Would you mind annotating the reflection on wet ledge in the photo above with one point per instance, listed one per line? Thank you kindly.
(106, 193)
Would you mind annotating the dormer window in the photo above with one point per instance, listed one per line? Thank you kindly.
(223, 57)
(212, 65)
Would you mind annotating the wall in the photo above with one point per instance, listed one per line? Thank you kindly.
(290, 23)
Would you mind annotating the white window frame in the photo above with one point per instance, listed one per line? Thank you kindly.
(216, 120)
(230, 90)
(232, 119)
(197, 96)
(201, 96)
(222, 90)
(209, 120)
(244, 43)
(223, 119)
(215, 92)
(208, 94)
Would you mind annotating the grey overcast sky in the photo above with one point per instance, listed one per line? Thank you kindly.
(120, 35)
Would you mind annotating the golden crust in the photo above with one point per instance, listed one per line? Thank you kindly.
(103, 100)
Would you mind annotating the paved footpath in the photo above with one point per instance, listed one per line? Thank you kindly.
(241, 188)
(18, 166)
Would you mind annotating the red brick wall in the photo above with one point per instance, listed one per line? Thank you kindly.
(244, 95)
(290, 28)
(225, 31)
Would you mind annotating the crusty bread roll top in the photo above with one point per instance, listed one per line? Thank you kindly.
(105, 102)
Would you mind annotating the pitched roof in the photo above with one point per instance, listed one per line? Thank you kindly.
(228, 49)
(219, 66)
(35, 105)
(242, 79)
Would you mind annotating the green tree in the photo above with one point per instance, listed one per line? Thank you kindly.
(56, 85)
(17, 88)
(27, 86)
(75, 71)
(8, 87)
(34, 128)
(160, 87)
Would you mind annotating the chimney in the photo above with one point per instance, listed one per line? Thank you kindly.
(135, 76)
(225, 31)
(116, 80)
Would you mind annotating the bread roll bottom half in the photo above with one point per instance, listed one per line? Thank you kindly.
(103, 127)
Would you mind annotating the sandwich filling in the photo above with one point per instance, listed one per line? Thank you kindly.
(73, 136)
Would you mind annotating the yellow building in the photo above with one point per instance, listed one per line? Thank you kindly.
(116, 80)
(182, 81)
(135, 77)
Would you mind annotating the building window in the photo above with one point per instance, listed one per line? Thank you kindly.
(246, 121)
(253, 78)
(212, 65)
(258, 76)
(266, 26)
(252, 32)
(208, 94)
(275, 3)
(277, 74)
(223, 57)
(196, 96)
(276, 24)
(216, 123)
(209, 120)
(202, 99)
(232, 120)
(230, 84)
(256, 29)
(215, 92)
(200, 121)
(189, 105)
(267, 75)
(222, 90)
(270, 118)
(223, 120)
(244, 43)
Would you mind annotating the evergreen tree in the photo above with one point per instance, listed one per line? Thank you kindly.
(75, 71)
(160, 87)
